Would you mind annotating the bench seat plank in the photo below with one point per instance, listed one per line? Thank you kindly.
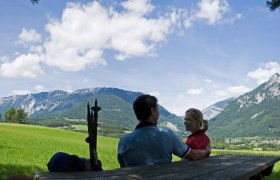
(214, 167)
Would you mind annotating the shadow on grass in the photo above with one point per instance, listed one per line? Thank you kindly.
(11, 170)
(274, 176)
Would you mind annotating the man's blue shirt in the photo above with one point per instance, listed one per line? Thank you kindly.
(149, 144)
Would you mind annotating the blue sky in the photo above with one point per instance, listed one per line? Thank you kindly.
(187, 53)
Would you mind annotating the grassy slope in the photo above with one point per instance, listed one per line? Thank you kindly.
(25, 149)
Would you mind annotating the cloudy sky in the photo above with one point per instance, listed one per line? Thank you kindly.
(187, 53)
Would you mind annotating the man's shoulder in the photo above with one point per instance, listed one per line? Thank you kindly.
(125, 136)
(167, 132)
(145, 130)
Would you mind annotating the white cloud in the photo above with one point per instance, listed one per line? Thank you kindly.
(79, 39)
(85, 31)
(195, 91)
(231, 20)
(39, 88)
(4, 58)
(212, 10)
(29, 36)
(68, 88)
(238, 90)
(187, 17)
(85, 80)
(209, 81)
(221, 93)
(188, 23)
(137, 7)
(36, 49)
(181, 96)
(135, 35)
(26, 65)
(264, 72)
(155, 93)
(230, 91)
(21, 92)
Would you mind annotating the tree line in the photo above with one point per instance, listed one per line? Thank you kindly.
(13, 115)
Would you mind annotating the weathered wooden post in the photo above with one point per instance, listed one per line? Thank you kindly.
(92, 132)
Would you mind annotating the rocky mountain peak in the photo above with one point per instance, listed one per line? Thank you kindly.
(274, 79)
(270, 90)
(251, 113)
(275, 76)
(272, 86)
(215, 109)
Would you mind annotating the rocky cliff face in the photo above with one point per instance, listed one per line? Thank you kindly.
(255, 113)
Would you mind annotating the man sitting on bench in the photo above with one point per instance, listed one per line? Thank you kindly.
(149, 144)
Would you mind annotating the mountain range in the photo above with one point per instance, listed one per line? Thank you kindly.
(215, 109)
(256, 113)
(116, 105)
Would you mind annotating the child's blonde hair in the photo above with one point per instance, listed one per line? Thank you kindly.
(198, 116)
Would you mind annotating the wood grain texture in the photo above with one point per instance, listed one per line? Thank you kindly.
(214, 167)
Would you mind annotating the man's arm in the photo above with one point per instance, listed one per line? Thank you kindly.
(121, 161)
(197, 154)
(120, 152)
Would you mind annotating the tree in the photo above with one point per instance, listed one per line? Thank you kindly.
(15, 115)
(0, 116)
(10, 115)
(273, 4)
(20, 116)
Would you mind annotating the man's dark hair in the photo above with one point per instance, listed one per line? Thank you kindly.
(142, 106)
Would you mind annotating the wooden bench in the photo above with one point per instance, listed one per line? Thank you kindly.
(214, 167)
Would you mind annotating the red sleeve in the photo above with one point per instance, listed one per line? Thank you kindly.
(191, 142)
(199, 141)
(202, 141)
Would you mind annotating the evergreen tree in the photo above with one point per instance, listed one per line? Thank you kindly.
(20, 116)
(10, 115)
(15, 115)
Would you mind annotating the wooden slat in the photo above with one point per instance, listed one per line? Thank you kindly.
(245, 169)
(205, 168)
(215, 167)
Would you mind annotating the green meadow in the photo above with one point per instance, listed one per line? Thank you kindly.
(25, 149)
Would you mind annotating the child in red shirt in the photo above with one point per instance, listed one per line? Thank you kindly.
(195, 123)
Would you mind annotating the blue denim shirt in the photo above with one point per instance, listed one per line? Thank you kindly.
(149, 144)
